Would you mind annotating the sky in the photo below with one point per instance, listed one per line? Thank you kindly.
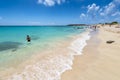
(58, 12)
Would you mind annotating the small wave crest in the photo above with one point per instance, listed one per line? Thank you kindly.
(78, 45)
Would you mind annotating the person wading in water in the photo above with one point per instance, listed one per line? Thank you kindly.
(28, 38)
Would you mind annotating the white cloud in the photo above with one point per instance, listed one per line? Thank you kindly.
(96, 13)
(50, 2)
(82, 15)
(92, 10)
(108, 9)
(93, 7)
(111, 8)
(91, 13)
(116, 13)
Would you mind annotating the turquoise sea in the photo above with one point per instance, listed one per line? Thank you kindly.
(14, 37)
(14, 49)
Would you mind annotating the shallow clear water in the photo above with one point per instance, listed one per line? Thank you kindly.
(13, 45)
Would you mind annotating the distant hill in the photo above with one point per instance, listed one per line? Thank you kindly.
(77, 25)
(112, 23)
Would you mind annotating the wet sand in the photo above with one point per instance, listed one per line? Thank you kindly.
(100, 61)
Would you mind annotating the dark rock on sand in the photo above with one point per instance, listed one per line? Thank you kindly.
(109, 42)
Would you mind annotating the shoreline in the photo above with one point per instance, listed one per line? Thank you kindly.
(81, 62)
(100, 61)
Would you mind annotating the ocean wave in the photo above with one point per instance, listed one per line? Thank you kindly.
(78, 45)
(52, 67)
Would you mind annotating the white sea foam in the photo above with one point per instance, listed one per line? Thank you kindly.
(78, 45)
(53, 66)
(50, 69)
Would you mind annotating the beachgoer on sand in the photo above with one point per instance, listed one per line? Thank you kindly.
(95, 27)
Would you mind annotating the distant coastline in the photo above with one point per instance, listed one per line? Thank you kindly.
(77, 25)
(43, 25)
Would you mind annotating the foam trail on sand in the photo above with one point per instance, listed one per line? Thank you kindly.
(52, 67)
(78, 45)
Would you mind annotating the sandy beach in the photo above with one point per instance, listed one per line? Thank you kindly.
(99, 61)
